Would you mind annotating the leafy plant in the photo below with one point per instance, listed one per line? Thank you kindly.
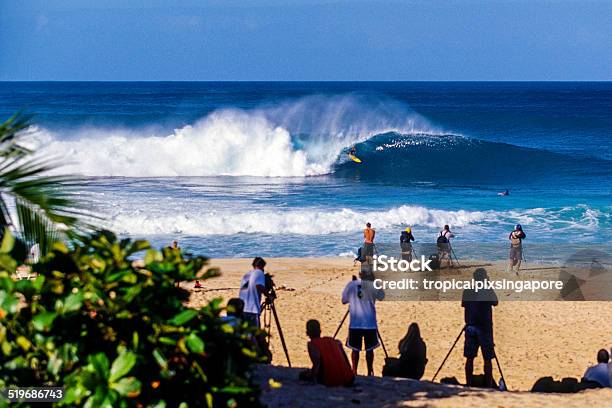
(116, 333)
(46, 205)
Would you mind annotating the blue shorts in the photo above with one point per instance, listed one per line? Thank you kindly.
(252, 318)
(478, 337)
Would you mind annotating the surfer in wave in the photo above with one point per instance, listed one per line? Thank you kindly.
(352, 154)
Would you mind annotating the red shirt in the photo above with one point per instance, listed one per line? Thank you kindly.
(335, 367)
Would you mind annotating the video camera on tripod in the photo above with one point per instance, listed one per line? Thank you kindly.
(270, 291)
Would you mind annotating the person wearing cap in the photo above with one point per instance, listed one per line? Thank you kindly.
(516, 238)
(406, 245)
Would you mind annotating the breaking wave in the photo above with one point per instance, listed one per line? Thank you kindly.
(298, 138)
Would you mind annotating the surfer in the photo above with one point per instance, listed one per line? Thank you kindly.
(352, 155)
(504, 193)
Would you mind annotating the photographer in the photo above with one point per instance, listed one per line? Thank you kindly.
(252, 285)
(478, 315)
(516, 238)
(406, 245)
(444, 246)
(363, 328)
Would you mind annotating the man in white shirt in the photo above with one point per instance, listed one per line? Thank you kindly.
(252, 285)
(599, 372)
(363, 329)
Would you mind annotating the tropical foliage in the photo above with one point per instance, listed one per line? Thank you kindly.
(46, 207)
(116, 332)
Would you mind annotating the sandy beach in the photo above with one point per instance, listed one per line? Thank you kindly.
(533, 338)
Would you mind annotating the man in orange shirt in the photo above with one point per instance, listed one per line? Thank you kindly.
(368, 240)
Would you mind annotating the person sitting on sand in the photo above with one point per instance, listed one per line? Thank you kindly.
(598, 374)
(516, 238)
(359, 257)
(368, 240)
(444, 246)
(330, 366)
(252, 285)
(363, 329)
(413, 356)
(235, 308)
(405, 244)
(478, 315)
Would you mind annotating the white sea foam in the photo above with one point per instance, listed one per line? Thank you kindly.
(305, 221)
(303, 137)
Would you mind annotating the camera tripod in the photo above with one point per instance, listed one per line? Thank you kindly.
(377, 334)
(451, 350)
(268, 312)
(454, 254)
(448, 253)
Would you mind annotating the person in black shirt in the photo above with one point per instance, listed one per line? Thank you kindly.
(516, 238)
(413, 356)
(406, 245)
(478, 314)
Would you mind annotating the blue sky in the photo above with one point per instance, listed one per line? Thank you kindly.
(305, 40)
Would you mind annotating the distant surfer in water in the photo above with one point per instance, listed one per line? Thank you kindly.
(504, 193)
(353, 151)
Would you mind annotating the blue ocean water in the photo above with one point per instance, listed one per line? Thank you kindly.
(237, 169)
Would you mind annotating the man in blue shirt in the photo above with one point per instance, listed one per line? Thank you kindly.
(598, 374)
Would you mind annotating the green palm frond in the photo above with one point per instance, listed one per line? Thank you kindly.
(47, 207)
(10, 132)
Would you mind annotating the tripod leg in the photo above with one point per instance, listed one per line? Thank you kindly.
(448, 354)
(265, 319)
(382, 343)
(280, 333)
(341, 323)
(454, 254)
(500, 372)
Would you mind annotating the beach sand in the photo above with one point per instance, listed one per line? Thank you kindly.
(395, 392)
(533, 338)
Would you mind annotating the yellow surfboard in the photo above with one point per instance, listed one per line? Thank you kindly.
(355, 158)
